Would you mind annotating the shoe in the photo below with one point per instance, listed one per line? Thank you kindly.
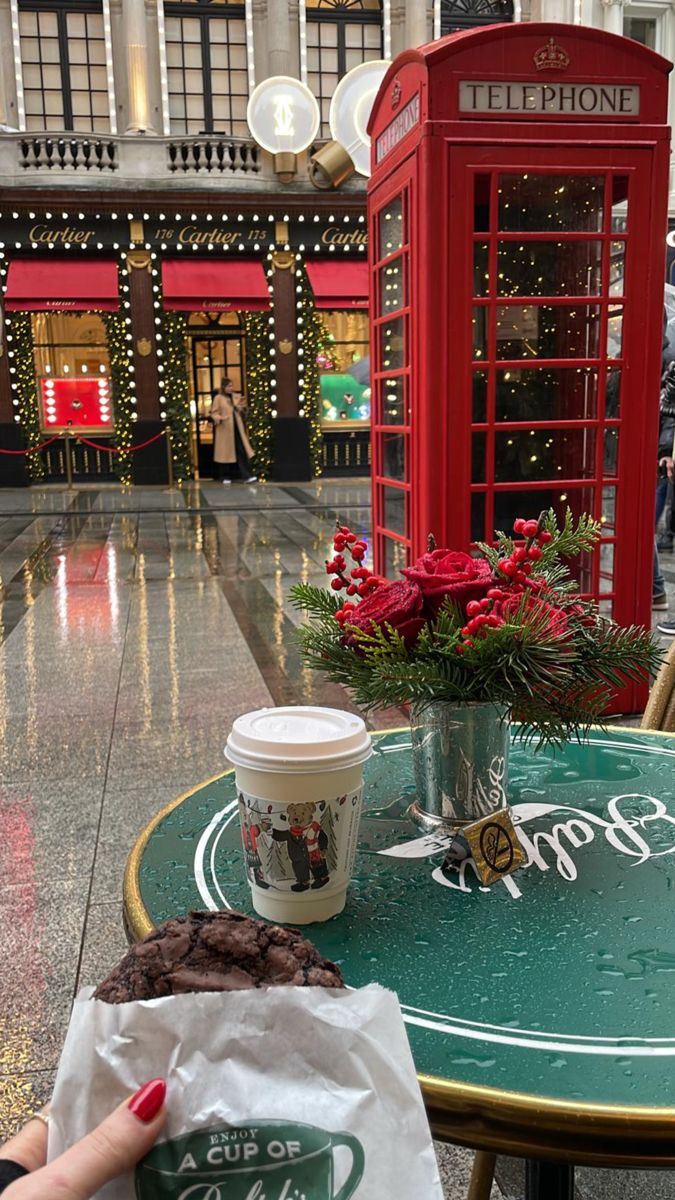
(667, 627)
(226, 482)
(660, 600)
(251, 479)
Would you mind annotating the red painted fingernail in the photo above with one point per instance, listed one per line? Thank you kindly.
(148, 1100)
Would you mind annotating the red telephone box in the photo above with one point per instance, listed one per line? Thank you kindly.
(518, 214)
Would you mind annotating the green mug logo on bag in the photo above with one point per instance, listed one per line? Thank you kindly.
(267, 1160)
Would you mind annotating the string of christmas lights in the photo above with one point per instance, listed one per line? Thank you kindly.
(313, 346)
(258, 375)
(24, 387)
(120, 354)
(174, 394)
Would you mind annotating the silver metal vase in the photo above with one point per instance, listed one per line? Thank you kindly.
(460, 759)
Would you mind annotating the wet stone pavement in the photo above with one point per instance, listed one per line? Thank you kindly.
(133, 627)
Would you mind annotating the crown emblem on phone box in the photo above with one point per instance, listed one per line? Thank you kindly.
(551, 57)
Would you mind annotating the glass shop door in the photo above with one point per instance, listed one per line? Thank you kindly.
(216, 351)
(556, 348)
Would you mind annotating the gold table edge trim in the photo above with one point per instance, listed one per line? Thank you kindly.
(508, 1119)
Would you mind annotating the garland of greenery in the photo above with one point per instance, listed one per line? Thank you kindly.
(259, 414)
(316, 342)
(176, 392)
(25, 389)
(122, 392)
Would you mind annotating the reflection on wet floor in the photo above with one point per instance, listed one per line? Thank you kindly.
(134, 625)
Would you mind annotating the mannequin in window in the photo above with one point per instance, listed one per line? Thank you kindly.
(232, 451)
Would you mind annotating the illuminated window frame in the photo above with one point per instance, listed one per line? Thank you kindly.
(343, 16)
(62, 10)
(472, 14)
(204, 11)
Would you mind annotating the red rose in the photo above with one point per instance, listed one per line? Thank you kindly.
(452, 573)
(398, 604)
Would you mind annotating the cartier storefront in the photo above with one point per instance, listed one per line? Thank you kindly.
(120, 322)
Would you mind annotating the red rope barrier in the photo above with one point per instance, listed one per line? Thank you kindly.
(33, 449)
(116, 449)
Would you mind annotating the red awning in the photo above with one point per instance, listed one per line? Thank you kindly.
(338, 284)
(38, 285)
(207, 286)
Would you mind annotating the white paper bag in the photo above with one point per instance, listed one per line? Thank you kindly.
(277, 1094)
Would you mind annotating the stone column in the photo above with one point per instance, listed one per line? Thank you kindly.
(613, 16)
(279, 57)
(417, 29)
(135, 39)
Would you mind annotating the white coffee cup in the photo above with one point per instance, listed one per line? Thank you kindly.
(299, 776)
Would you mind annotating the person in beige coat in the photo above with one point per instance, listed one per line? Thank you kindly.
(232, 451)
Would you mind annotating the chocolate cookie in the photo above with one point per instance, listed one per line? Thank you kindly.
(216, 952)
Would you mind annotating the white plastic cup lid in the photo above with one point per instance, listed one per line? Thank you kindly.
(298, 738)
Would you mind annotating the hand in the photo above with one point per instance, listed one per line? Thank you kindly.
(668, 464)
(108, 1151)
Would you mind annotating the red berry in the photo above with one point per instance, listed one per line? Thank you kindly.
(485, 605)
(336, 584)
(534, 553)
(330, 567)
(526, 568)
(459, 649)
(338, 543)
(361, 545)
(544, 537)
(530, 529)
(519, 555)
(468, 642)
(472, 608)
(341, 561)
(344, 529)
(493, 621)
(519, 525)
(508, 567)
(466, 630)
(357, 554)
(520, 577)
(351, 589)
(350, 538)
(495, 594)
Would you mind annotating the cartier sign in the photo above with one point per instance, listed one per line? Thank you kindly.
(605, 100)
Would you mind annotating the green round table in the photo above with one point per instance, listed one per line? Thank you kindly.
(540, 1011)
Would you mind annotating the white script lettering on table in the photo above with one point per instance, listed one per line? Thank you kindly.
(631, 818)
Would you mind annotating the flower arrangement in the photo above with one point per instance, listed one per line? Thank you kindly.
(506, 626)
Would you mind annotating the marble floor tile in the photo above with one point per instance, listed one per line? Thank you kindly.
(48, 829)
(104, 943)
(454, 1165)
(39, 954)
(20, 1097)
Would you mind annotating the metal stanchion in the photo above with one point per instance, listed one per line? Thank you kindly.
(69, 462)
(169, 460)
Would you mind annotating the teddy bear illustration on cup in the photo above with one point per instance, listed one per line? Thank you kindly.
(306, 844)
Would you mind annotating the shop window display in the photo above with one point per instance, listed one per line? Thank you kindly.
(72, 364)
(344, 367)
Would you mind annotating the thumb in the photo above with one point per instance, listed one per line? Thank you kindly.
(109, 1150)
